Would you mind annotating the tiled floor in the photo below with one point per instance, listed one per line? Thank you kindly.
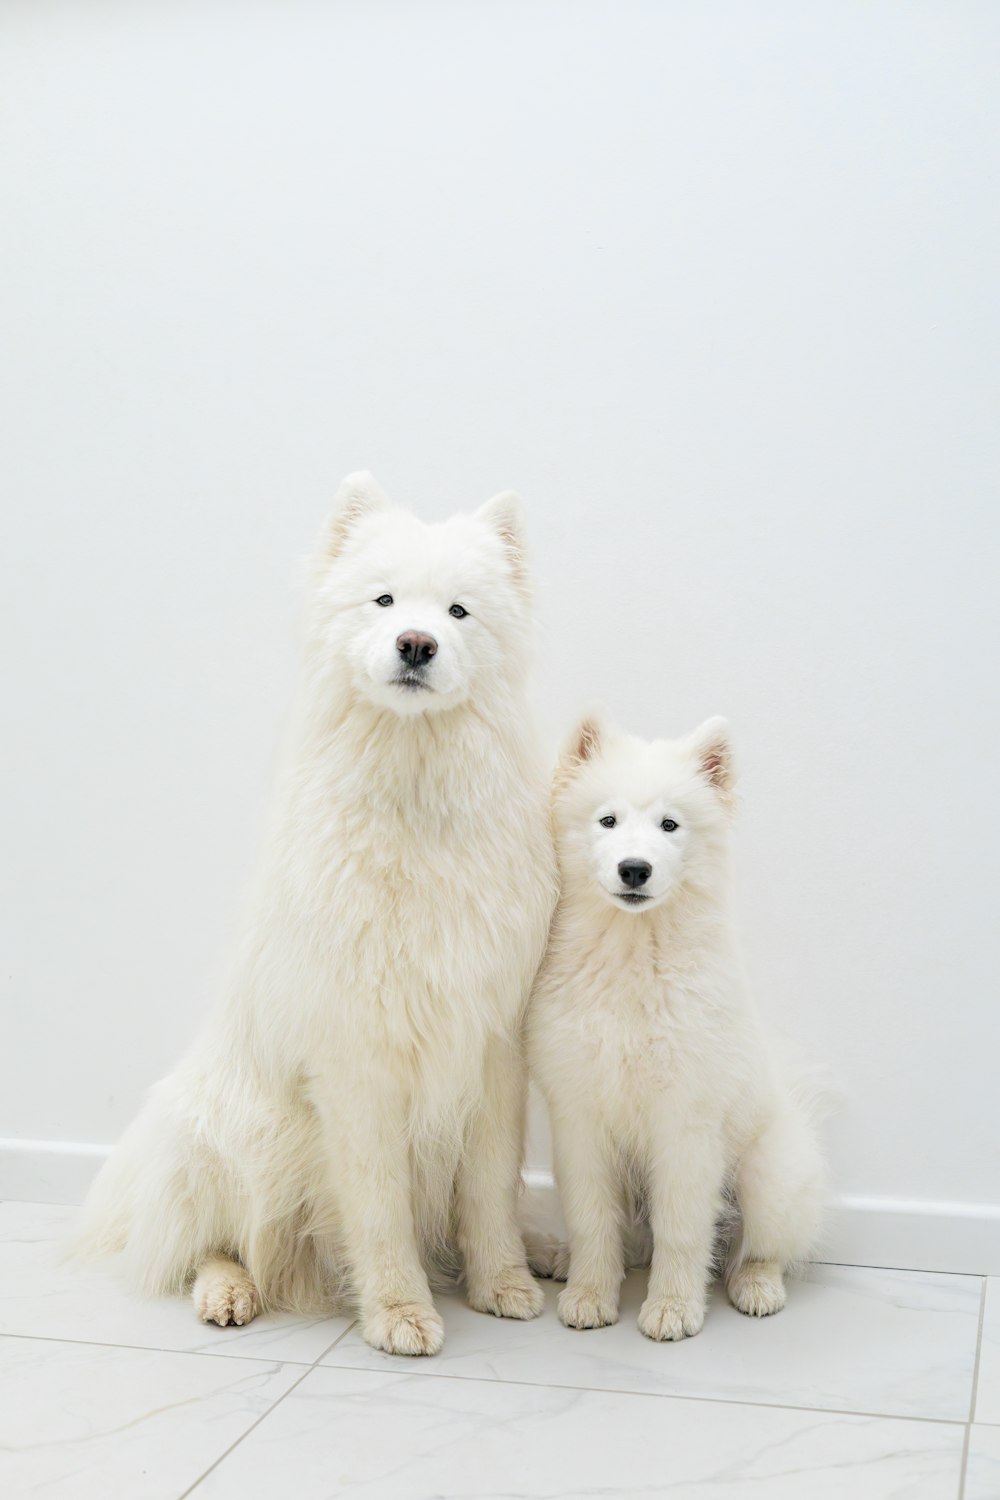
(864, 1387)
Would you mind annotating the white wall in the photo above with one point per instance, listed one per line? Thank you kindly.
(715, 286)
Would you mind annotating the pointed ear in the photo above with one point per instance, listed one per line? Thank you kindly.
(504, 514)
(357, 496)
(584, 744)
(712, 747)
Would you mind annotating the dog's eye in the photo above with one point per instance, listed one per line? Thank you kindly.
(609, 821)
(458, 612)
(385, 600)
(668, 825)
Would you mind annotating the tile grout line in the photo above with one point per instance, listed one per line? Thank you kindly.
(494, 1380)
(975, 1391)
(253, 1425)
(552, 1385)
(855, 1265)
(273, 1407)
(979, 1350)
(352, 1324)
(263, 1359)
(964, 1465)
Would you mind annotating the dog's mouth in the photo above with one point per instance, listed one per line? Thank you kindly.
(633, 898)
(412, 682)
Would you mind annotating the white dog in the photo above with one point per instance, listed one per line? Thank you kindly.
(352, 1114)
(667, 1105)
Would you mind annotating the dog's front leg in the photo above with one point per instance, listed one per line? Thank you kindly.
(685, 1198)
(496, 1269)
(370, 1166)
(593, 1203)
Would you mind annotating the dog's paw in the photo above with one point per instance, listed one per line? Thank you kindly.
(405, 1328)
(225, 1295)
(585, 1307)
(667, 1318)
(548, 1256)
(757, 1289)
(512, 1294)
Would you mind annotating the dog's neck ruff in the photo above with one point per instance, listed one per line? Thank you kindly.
(691, 919)
(364, 758)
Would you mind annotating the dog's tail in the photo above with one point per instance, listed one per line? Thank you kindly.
(130, 1209)
(777, 1203)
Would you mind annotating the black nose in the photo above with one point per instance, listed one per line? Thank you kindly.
(634, 872)
(416, 649)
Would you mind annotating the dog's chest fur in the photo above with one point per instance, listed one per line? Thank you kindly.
(635, 1026)
(416, 879)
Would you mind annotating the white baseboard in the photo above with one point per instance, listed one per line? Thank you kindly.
(922, 1234)
(911, 1233)
(48, 1171)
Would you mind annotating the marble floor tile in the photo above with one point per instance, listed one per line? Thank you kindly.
(398, 1437)
(988, 1386)
(890, 1343)
(44, 1296)
(982, 1475)
(85, 1422)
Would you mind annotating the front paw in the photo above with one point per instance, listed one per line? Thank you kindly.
(585, 1307)
(511, 1294)
(404, 1328)
(757, 1289)
(667, 1318)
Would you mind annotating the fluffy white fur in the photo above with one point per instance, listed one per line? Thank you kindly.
(351, 1116)
(671, 1114)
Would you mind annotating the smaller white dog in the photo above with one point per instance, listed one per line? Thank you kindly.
(669, 1109)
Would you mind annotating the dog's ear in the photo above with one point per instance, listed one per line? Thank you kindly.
(712, 748)
(357, 496)
(583, 745)
(504, 514)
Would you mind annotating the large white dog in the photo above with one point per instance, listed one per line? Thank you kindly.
(670, 1111)
(351, 1116)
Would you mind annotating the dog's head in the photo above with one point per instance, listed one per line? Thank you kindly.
(423, 617)
(637, 821)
